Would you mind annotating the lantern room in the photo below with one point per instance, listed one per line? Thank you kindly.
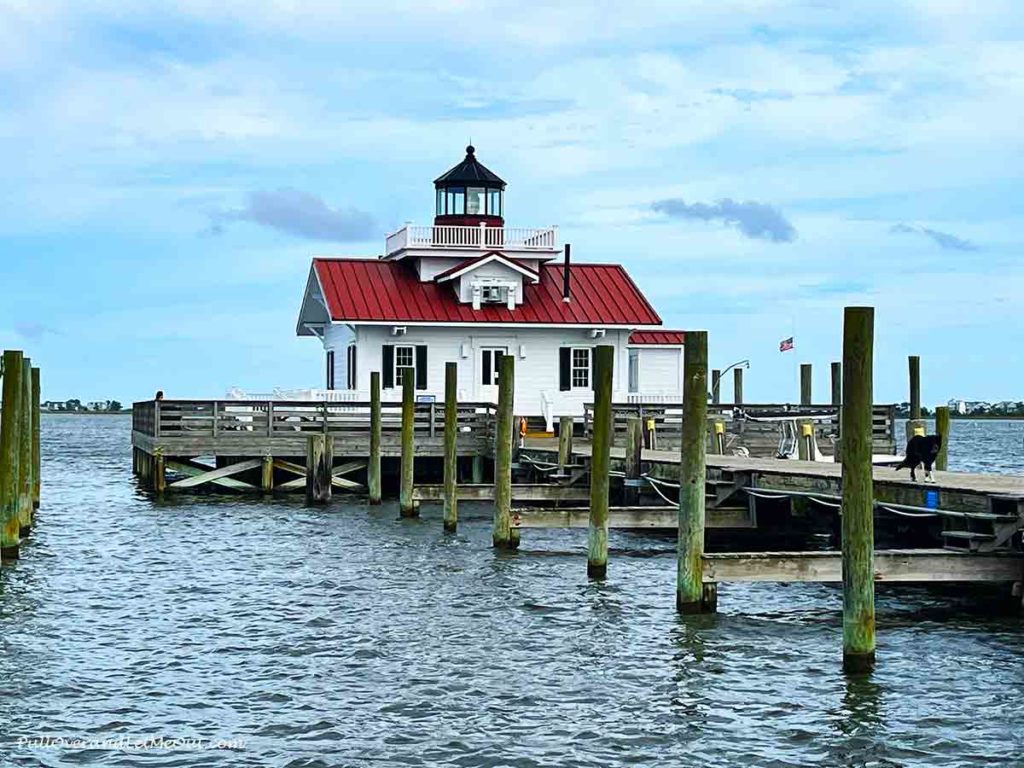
(469, 195)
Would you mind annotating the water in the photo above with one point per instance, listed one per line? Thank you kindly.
(345, 637)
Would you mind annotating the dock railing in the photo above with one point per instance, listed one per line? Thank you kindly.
(752, 425)
(290, 419)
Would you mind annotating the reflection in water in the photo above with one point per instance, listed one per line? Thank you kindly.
(342, 636)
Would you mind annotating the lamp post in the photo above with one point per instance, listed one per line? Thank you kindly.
(718, 382)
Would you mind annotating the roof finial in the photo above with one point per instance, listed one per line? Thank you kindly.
(470, 149)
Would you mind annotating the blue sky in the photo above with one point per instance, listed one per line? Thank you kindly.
(171, 168)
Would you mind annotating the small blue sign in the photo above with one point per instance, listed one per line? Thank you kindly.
(931, 499)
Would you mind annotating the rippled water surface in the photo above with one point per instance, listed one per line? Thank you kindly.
(343, 636)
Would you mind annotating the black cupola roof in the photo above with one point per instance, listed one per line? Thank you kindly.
(470, 171)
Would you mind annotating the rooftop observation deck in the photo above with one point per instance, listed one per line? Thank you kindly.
(543, 240)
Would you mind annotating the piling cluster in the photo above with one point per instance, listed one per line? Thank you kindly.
(19, 452)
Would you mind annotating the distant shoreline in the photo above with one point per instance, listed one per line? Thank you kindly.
(87, 413)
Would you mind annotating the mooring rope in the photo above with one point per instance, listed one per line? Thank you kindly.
(542, 466)
(907, 514)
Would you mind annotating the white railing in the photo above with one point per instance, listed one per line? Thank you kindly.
(482, 237)
(284, 395)
(657, 398)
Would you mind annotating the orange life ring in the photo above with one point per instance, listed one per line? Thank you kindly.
(522, 427)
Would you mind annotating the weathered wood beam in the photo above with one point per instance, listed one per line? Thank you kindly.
(922, 565)
(194, 471)
(214, 474)
(519, 492)
(665, 518)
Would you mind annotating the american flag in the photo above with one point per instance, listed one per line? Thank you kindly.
(786, 344)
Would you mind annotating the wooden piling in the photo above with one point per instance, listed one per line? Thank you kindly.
(914, 368)
(10, 446)
(718, 438)
(806, 392)
(691, 596)
(502, 535)
(36, 433)
(267, 474)
(565, 427)
(407, 505)
(837, 383)
(915, 425)
(26, 484)
(716, 382)
(942, 428)
(634, 451)
(319, 468)
(737, 386)
(373, 465)
(159, 472)
(451, 431)
(600, 462)
(476, 471)
(858, 537)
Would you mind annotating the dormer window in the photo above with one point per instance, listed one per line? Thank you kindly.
(494, 294)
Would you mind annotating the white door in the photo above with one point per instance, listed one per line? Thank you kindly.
(490, 364)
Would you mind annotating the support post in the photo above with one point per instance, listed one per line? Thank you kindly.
(718, 438)
(634, 452)
(451, 431)
(267, 474)
(858, 493)
(691, 596)
(319, 466)
(942, 429)
(36, 432)
(477, 470)
(408, 507)
(600, 462)
(565, 427)
(716, 382)
(737, 386)
(837, 384)
(805, 445)
(915, 425)
(373, 467)
(10, 444)
(805, 384)
(502, 535)
(159, 472)
(25, 477)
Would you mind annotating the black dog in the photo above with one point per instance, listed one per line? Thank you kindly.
(922, 449)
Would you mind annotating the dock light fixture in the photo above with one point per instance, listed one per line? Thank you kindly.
(398, 330)
(597, 333)
(737, 364)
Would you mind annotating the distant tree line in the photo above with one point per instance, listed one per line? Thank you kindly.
(77, 406)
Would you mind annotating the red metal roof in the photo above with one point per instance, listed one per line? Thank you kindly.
(376, 290)
(656, 337)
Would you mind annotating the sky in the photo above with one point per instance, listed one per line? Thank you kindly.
(170, 169)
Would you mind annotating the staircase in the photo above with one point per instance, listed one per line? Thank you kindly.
(991, 531)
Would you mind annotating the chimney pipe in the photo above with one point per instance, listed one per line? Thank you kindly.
(566, 294)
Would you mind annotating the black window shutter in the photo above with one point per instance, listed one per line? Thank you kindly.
(388, 364)
(330, 369)
(421, 366)
(565, 369)
(486, 367)
(352, 367)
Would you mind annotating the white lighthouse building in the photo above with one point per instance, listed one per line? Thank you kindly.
(469, 289)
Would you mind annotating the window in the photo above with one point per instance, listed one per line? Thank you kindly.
(405, 357)
(440, 202)
(634, 370)
(475, 200)
(494, 202)
(491, 365)
(456, 200)
(494, 293)
(330, 369)
(351, 366)
(580, 367)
